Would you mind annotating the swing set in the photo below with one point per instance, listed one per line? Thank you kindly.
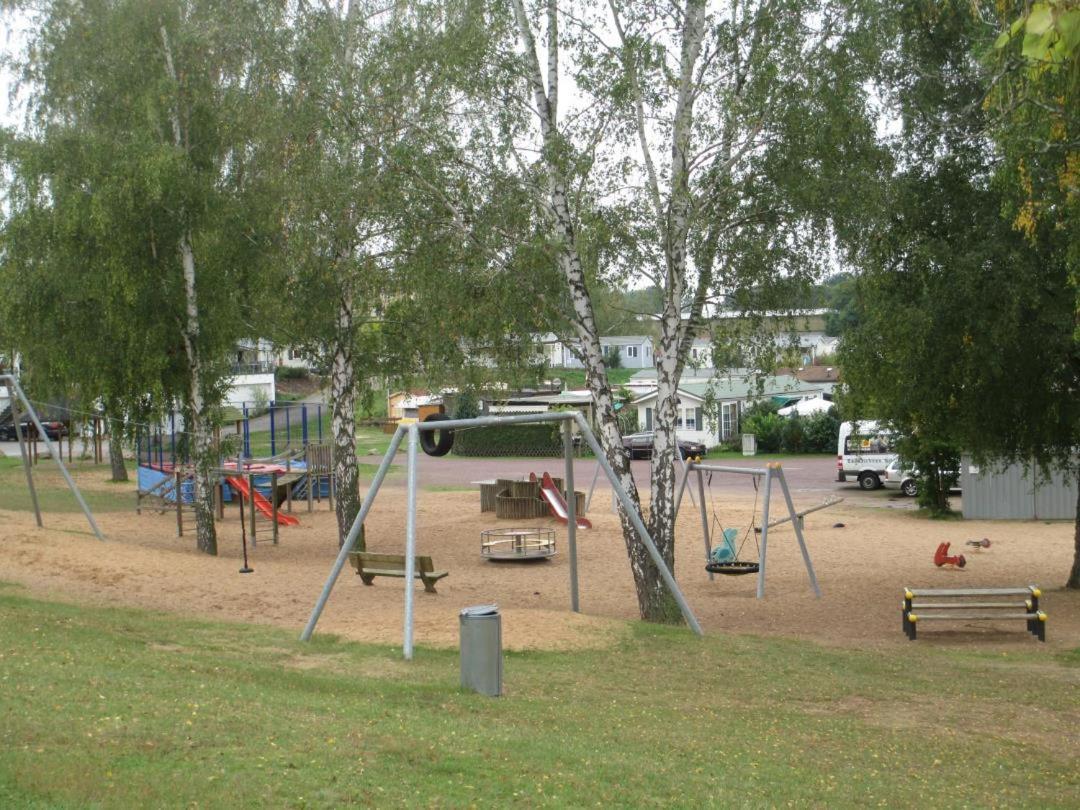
(725, 557)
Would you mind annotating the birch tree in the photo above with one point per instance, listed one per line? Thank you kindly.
(160, 99)
(383, 282)
(724, 139)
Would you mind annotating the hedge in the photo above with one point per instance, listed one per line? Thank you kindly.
(509, 440)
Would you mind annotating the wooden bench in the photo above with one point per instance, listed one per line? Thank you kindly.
(973, 604)
(369, 566)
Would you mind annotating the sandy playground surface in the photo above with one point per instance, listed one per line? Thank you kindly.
(861, 568)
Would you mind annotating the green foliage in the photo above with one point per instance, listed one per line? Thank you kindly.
(291, 373)
(937, 462)
(817, 433)
(466, 405)
(612, 357)
(509, 440)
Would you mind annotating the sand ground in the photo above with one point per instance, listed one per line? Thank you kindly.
(862, 569)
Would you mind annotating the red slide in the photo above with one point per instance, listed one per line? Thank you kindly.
(556, 503)
(263, 505)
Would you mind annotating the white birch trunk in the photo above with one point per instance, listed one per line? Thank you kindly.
(197, 422)
(654, 603)
(343, 384)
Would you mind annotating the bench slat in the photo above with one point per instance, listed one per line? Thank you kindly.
(966, 605)
(969, 591)
(922, 617)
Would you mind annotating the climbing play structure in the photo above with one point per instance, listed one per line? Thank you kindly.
(512, 499)
(302, 470)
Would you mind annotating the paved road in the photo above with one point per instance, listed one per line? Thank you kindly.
(811, 478)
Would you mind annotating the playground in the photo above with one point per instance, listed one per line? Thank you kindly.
(861, 567)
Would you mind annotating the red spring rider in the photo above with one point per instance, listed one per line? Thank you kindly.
(942, 557)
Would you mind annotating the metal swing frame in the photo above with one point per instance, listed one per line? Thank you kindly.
(413, 430)
(771, 472)
(19, 396)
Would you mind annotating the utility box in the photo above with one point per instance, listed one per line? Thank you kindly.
(481, 649)
(749, 444)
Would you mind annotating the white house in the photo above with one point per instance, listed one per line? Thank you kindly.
(803, 329)
(730, 396)
(635, 351)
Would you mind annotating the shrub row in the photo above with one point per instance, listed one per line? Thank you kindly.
(509, 440)
(792, 434)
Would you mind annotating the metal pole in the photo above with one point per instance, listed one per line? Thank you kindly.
(247, 431)
(24, 455)
(798, 531)
(319, 409)
(571, 513)
(682, 488)
(410, 542)
(251, 506)
(273, 443)
(805, 512)
(64, 470)
(704, 519)
(303, 419)
(592, 486)
(179, 503)
(723, 469)
(354, 532)
(288, 428)
(686, 468)
(764, 533)
(635, 519)
(273, 505)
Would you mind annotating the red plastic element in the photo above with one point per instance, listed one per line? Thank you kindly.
(556, 503)
(941, 557)
(263, 505)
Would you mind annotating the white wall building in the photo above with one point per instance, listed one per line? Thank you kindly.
(697, 421)
(635, 351)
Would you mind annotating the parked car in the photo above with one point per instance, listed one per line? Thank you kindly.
(907, 481)
(54, 430)
(904, 480)
(640, 445)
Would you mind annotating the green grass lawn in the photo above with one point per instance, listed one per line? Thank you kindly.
(575, 377)
(367, 438)
(53, 494)
(104, 707)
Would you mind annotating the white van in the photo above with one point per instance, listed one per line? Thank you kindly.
(863, 451)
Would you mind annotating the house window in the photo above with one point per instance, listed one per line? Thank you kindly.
(688, 418)
(294, 354)
(729, 419)
(631, 351)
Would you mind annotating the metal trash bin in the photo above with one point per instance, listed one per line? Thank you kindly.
(481, 649)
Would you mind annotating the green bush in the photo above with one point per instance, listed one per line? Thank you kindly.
(509, 440)
(290, 373)
(768, 428)
(821, 431)
(791, 434)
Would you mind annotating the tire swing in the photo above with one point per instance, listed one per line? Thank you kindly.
(436, 442)
(724, 559)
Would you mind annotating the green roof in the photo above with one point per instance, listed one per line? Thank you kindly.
(727, 389)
